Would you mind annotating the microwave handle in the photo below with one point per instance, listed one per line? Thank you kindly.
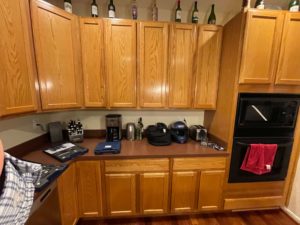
(279, 145)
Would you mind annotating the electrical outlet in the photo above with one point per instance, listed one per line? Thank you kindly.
(35, 124)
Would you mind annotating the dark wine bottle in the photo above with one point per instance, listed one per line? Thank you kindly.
(294, 6)
(111, 9)
(259, 4)
(178, 12)
(195, 14)
(94, 9)
(154, 11)
(134, 10)
(212, 17)
(68, 6)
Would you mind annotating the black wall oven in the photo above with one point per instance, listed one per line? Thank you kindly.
(264, 119)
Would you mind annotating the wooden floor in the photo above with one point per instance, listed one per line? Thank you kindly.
(269, 217)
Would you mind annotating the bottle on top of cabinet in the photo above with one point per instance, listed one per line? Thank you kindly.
(154, 11)
(94, 8)
(195, 14)
(294, 6)
(178, 12)
(212, 17)
(259, 4)
(134, 10)
(68, 6)
(111, 9)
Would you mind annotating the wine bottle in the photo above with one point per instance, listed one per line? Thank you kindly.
(94, 9)
(134, 10)
(178, 12)
(195, 14)
(294, 6)
(212, 17)
(154, 11)
(111, 9)
(68, 6)
(259, 4)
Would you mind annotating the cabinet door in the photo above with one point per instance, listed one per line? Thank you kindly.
(92, 35)
(208, 63)
(89, 188)
(57, 47)
(120, 43)
(184, 185)
(211, 190)
(261, 47)
(67, 186)
(153, 47)
(17, 67)
(121, 194)
(288, 68)
(182, 53)
(154, 193)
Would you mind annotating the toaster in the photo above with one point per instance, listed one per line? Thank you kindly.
(198, 133)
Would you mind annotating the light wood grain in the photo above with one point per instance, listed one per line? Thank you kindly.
(67, 191)
(207, 64)
(121, 194)
(181, 57)
(288, 67)
(199, 163)
(184, 191)
(154, 193)
(120, 53)
(57, 47)
(261, 46)
(211, 190)
(153, 59)
(92, 51)
(17, 64)
(89, 188)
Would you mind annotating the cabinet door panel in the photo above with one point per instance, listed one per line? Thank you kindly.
(261, 47)
(17, 67)
(89, 188)
(211, 190)
(57, 47)
(182, 53)
(92, 35)
(208, 62)
(153, 47)
(184, 195)
(121, 62)
(154, 193)
(121, 194)
(289, 69)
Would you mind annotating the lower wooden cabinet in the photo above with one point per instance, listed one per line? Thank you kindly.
(154, 188)
(120, 194)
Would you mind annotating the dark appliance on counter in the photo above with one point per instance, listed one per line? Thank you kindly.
(158, 135)
(113, 127)
(264, 119)
(198, 133)
(179, 132)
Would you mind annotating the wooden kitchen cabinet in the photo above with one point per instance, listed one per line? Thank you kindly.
(208, 63)
(17, 64)
(89, 188)
(121, 193)
(152, 57)
(57, 48)
(67, 191)
(181, 71)
(288, 71)
(261, 47)
(92, 51)
(120, 43)
(154, 193)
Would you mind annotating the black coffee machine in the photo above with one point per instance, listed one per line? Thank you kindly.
(113, 127)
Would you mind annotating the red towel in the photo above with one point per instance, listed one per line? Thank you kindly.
(259, 158)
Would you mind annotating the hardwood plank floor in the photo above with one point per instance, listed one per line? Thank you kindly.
(266, 217)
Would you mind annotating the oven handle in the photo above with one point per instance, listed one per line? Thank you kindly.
(279, 145)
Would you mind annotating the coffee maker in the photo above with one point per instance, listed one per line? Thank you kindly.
(113, 127)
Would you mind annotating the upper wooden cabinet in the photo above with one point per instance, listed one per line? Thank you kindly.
(288, 67)
(17, 63)
(261, 46)
(208, 63)
(181, 74)
(152, 56)
(57, 47)
(120, 43)
(92, 45)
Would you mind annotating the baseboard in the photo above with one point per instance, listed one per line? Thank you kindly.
(291, 214)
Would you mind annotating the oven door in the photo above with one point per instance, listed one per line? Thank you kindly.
(280, 165)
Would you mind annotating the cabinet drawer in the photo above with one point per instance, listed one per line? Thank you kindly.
(199, 163)
(137, 165)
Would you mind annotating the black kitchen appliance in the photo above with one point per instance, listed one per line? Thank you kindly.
(264, 119)
(113, 127)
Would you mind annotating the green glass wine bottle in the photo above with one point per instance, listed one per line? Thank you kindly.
(195, 14)
(212, 17)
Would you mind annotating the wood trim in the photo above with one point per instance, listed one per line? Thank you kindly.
(199, 163)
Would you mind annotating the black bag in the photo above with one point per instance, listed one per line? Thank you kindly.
(158, 135)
